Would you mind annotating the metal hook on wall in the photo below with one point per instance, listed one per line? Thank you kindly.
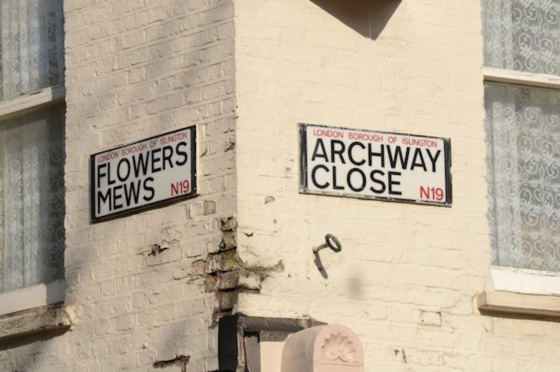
(331, 242)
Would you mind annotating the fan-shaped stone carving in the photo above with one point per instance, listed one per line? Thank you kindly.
(325, 348)
(339, 346)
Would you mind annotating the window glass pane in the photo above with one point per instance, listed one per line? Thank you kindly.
(522, 35)
(31, 46)
(32, 199)
(523, 141)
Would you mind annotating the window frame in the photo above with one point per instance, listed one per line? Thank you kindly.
(45, 293)
(31, 297)
(510, 279)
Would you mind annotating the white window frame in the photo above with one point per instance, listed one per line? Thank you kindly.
(509, 279)
(497, 75)
(45, 293)
(33, 296)
(31, 101)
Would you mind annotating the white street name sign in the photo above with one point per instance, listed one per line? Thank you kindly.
(375, 165)
(143, 174)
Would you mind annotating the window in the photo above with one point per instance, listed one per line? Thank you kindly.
(522, 99)
(31, 149)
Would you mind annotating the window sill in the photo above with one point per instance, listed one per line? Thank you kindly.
(536, 282)
(32, 310)
(54, 318)
(497, 75)
(32, 297)
(18, 105)
(521, 292)
(518, 303)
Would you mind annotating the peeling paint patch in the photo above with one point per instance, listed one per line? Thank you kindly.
(224, 272)
(157, 249)
(180, 361)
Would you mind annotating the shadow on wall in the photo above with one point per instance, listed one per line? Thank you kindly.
(366, 17)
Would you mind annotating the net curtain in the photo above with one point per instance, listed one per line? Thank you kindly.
(32, 199)
(522, 35)
(32, 49)
(31, 146)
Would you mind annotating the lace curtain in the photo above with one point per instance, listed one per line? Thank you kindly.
(32, 199)
(31, 49)
(522, 35)
(523, 139)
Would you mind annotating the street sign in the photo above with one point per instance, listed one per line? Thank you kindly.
(375, 165)
(143, 174)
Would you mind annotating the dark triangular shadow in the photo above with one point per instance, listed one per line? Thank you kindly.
(367, 17)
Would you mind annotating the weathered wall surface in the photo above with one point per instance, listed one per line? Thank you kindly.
(407, 275)
(136, 69)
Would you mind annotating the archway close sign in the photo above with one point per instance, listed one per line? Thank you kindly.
(375, 165)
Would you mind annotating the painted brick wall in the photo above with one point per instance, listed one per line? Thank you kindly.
(407, 275)
(135, 69)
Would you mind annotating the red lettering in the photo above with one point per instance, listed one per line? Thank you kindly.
(328, 133)
(432, 193)
(102, 158)
(180, 187)
(424, 193)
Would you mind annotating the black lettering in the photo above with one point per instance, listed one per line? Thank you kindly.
(184, 154)
(314, 178)
(335, 186)
(117, 197)
(110, 181)
(349, 180)
(121, 162)
(103, 199)
(320, 146)
(338, 152)
(418, 160)
(132, 192)
(140, 164)
(167, 155)
(433, 159)
(156, 160)
(392, 183)
(381, 155)
(99, 174)
(398, 156)
(351, 157)
(377, 181)
(148, 188)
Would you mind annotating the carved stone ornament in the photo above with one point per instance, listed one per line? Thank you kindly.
(339, 346)
(327, 348)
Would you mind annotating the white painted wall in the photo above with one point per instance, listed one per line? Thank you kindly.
(135, 69)
(407, 276)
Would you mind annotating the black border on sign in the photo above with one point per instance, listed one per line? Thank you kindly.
(157, 204)
(303, 189)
